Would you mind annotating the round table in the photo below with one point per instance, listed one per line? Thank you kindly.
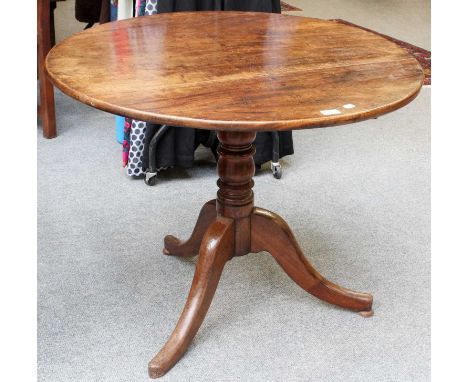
(237, 73)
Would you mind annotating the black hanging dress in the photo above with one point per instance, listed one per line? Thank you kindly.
(219, 5)
(178, 145)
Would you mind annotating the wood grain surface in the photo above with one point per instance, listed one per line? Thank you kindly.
(235, 71)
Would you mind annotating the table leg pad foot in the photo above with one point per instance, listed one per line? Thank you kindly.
(216, 249)
(366, 313)
(271, 233)
(191, 247)
(155, 371)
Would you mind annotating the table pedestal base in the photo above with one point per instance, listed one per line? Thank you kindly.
(231, 226)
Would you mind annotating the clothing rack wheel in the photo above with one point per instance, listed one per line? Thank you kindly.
(152, 173)
(151, 178)
(275, 164)
(276, 170)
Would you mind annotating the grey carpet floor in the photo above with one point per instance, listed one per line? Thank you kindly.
(357, 198)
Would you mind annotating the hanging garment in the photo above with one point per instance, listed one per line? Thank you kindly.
(92, 11)
(109, 13)
(151, 7)
(219, 5)
(133, 151)
(125, 9)
(140, 7)
(113, 10)
(177, 146)
(119, 11)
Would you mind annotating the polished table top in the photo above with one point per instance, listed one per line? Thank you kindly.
(235, 71)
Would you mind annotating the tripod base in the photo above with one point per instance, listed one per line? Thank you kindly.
(231, 226)
(214, 239)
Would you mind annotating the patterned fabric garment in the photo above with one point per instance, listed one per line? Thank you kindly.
(140, 7)
(126, 141)
(151, 7)
(137, 141)
(133, 152)
(126, 138)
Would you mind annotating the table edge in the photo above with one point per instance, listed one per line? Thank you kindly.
(220, 125)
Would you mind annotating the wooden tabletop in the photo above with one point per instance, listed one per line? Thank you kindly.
(235, 71)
